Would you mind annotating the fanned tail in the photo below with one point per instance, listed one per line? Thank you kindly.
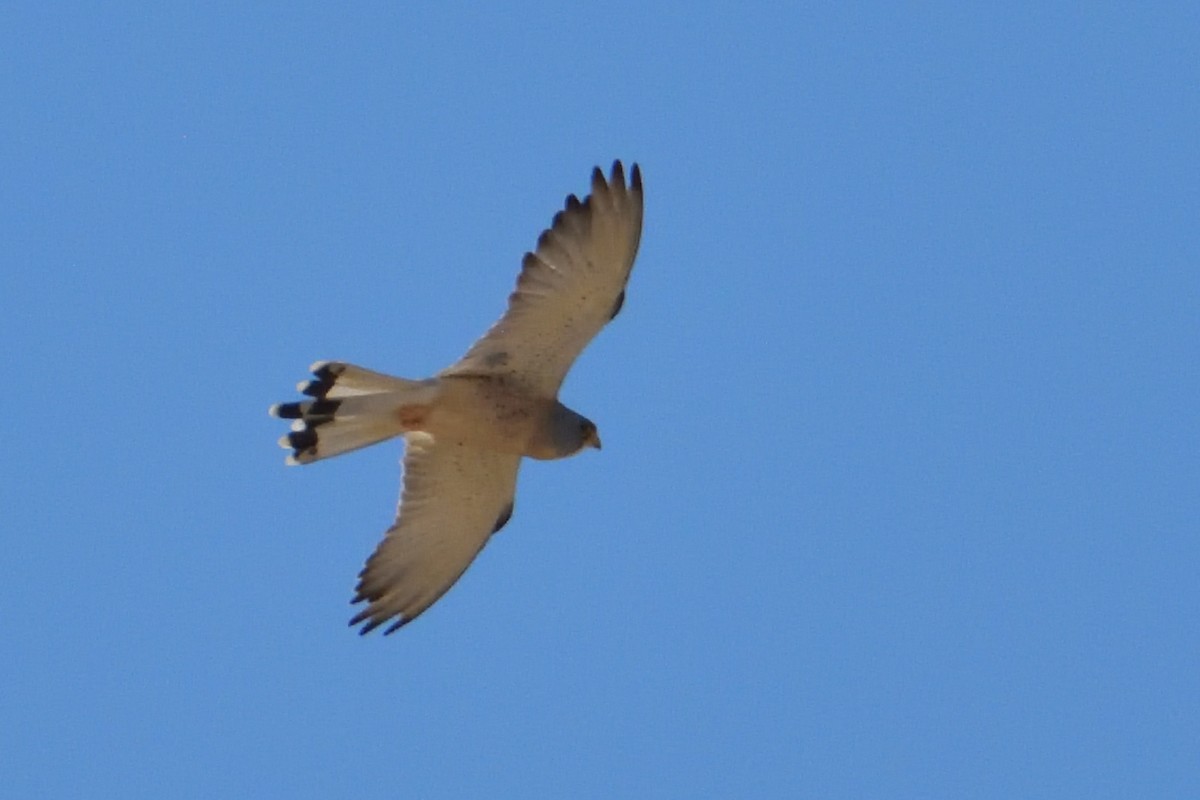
(351, 407)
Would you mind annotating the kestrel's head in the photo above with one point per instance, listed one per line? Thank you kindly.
(571, 432)
(591, 436)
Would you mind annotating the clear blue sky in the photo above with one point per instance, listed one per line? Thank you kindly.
(899, 493)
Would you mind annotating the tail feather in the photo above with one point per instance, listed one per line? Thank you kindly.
(311, 444)
(336, 379)
(351, 408)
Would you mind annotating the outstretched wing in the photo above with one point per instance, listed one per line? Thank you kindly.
(568, 289)
(454, 498)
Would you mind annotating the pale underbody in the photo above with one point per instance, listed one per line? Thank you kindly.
(484, 412)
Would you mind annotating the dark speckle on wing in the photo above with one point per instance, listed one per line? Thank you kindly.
(496, 359)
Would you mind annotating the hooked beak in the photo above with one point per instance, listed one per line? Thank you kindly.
(593, 439)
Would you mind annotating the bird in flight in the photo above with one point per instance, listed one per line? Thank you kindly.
(467, 428)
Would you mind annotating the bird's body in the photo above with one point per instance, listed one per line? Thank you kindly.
(489, 413)
(467, 428)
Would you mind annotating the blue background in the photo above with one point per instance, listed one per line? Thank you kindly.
(899, 493)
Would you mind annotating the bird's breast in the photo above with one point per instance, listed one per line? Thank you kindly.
(486, 413)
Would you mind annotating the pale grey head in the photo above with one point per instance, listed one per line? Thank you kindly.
(570, 432)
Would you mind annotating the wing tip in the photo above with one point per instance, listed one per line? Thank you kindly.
(617, 177)
(618, 174)
(370, 622)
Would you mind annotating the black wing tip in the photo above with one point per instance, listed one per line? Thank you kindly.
(618, 173)
(371, 624)
(617, 176)
(398, 625)
(602, 184)
(371, 617)
(364, 616)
